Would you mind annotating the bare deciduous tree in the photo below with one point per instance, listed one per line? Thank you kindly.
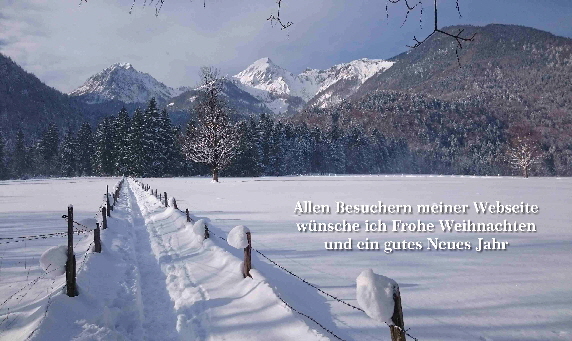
(214, 140)
(524, 150)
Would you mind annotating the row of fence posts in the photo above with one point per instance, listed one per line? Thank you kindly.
(247, 263)
(71, 285)
(397, 330)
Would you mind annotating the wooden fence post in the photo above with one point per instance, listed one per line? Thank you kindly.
(71, 289)
(188, 216)
(175, 204)
(160, 198)
(109, 208)
(247, 264)
(166, 205)
(97, 239)
(103, 214)
(207, 234)
(398, 329)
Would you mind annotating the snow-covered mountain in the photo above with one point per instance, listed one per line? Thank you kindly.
(263, 86)
(122, 82)
(278, 87)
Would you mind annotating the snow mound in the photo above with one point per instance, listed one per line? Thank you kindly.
(237, 237)
(89, 223)
(53, 260)
(199, 228)
(375, 295)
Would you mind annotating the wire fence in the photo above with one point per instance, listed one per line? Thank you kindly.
(315, 287)
(337, 299)
(13, 301)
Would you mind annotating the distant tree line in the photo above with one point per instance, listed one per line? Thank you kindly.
(328, 141)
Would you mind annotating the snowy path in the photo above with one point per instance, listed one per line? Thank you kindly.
(212, 300)
(157, 280)
(154, 296)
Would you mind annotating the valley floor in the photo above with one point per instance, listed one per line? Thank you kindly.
(157, 280)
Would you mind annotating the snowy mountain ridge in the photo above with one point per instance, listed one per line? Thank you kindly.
(121, 81)
(276, 88)
(271, 83)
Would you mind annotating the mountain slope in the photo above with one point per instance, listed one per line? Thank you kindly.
(122, 82)
(515, 69)
(240, 101)
(28, 104)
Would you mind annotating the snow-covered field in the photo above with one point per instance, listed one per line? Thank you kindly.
(156, 280)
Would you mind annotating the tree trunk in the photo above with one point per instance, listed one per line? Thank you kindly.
(215, 174)
(526, 172)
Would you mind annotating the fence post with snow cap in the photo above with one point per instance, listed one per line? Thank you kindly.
(109, 208)
(239, 237)
(380, 299)
(71, 289)
(104, 217)
(398, 327)
(97, 239)
(175, 204)
(247, 257)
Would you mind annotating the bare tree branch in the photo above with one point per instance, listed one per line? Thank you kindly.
(409, 6)
(459, 38)
(276, 18)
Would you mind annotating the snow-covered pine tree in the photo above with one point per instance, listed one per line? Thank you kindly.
(265, 140)
(3, 165)
(136, 145)
(151, 145)
(247, 161)
(49, 151)
(319, 149)
(85, 150)
(19, 156)
(166, 151)
(121, 125)
(336, 147)
(300, 151)
(103, 142)
(379, 152)
(68, 152)
(277, 150)
(214, 140)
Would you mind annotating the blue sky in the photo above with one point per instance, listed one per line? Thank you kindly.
(64, 43)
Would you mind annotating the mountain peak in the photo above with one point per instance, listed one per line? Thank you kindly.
(122, 82)
(263, 61)
(125, 66)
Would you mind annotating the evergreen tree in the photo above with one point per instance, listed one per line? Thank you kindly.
(20, 157)
(69, 154)
(336, 148)
(85, 150)
(121, 129)
(277, 150)
(49, 150)
(247, 161)
(265, 140)
(151, 144)
(163, 145)
(104, 158)
(136, 149)
(3, 165)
